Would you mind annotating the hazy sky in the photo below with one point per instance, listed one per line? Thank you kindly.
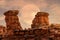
(28, 8)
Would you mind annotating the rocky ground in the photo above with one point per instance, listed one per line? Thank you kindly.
(43, 33)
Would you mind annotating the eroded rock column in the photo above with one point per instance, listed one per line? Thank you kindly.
(41, 18)
(12, 20)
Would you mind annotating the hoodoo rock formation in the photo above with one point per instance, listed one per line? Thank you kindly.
(12, 21)
(42, 31)
(41, 19)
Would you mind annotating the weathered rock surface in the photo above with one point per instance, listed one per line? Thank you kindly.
(12, 21)
(41, 19)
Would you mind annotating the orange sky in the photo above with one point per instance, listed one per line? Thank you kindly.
(28, 8)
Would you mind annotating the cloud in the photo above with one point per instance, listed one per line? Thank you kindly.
(40, 3)
(53, 1)
(55, 8)
(28, 12)
(17, 3)
(2, 3)
(20, 3)
(2, 20)
(55, 13)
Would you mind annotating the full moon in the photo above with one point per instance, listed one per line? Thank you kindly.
(28, 13)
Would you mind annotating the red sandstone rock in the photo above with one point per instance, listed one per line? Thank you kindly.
(3, 31)
(12, 20)
(41, 18)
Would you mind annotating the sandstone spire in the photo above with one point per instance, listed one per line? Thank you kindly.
(12, 21)
(41, 18)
